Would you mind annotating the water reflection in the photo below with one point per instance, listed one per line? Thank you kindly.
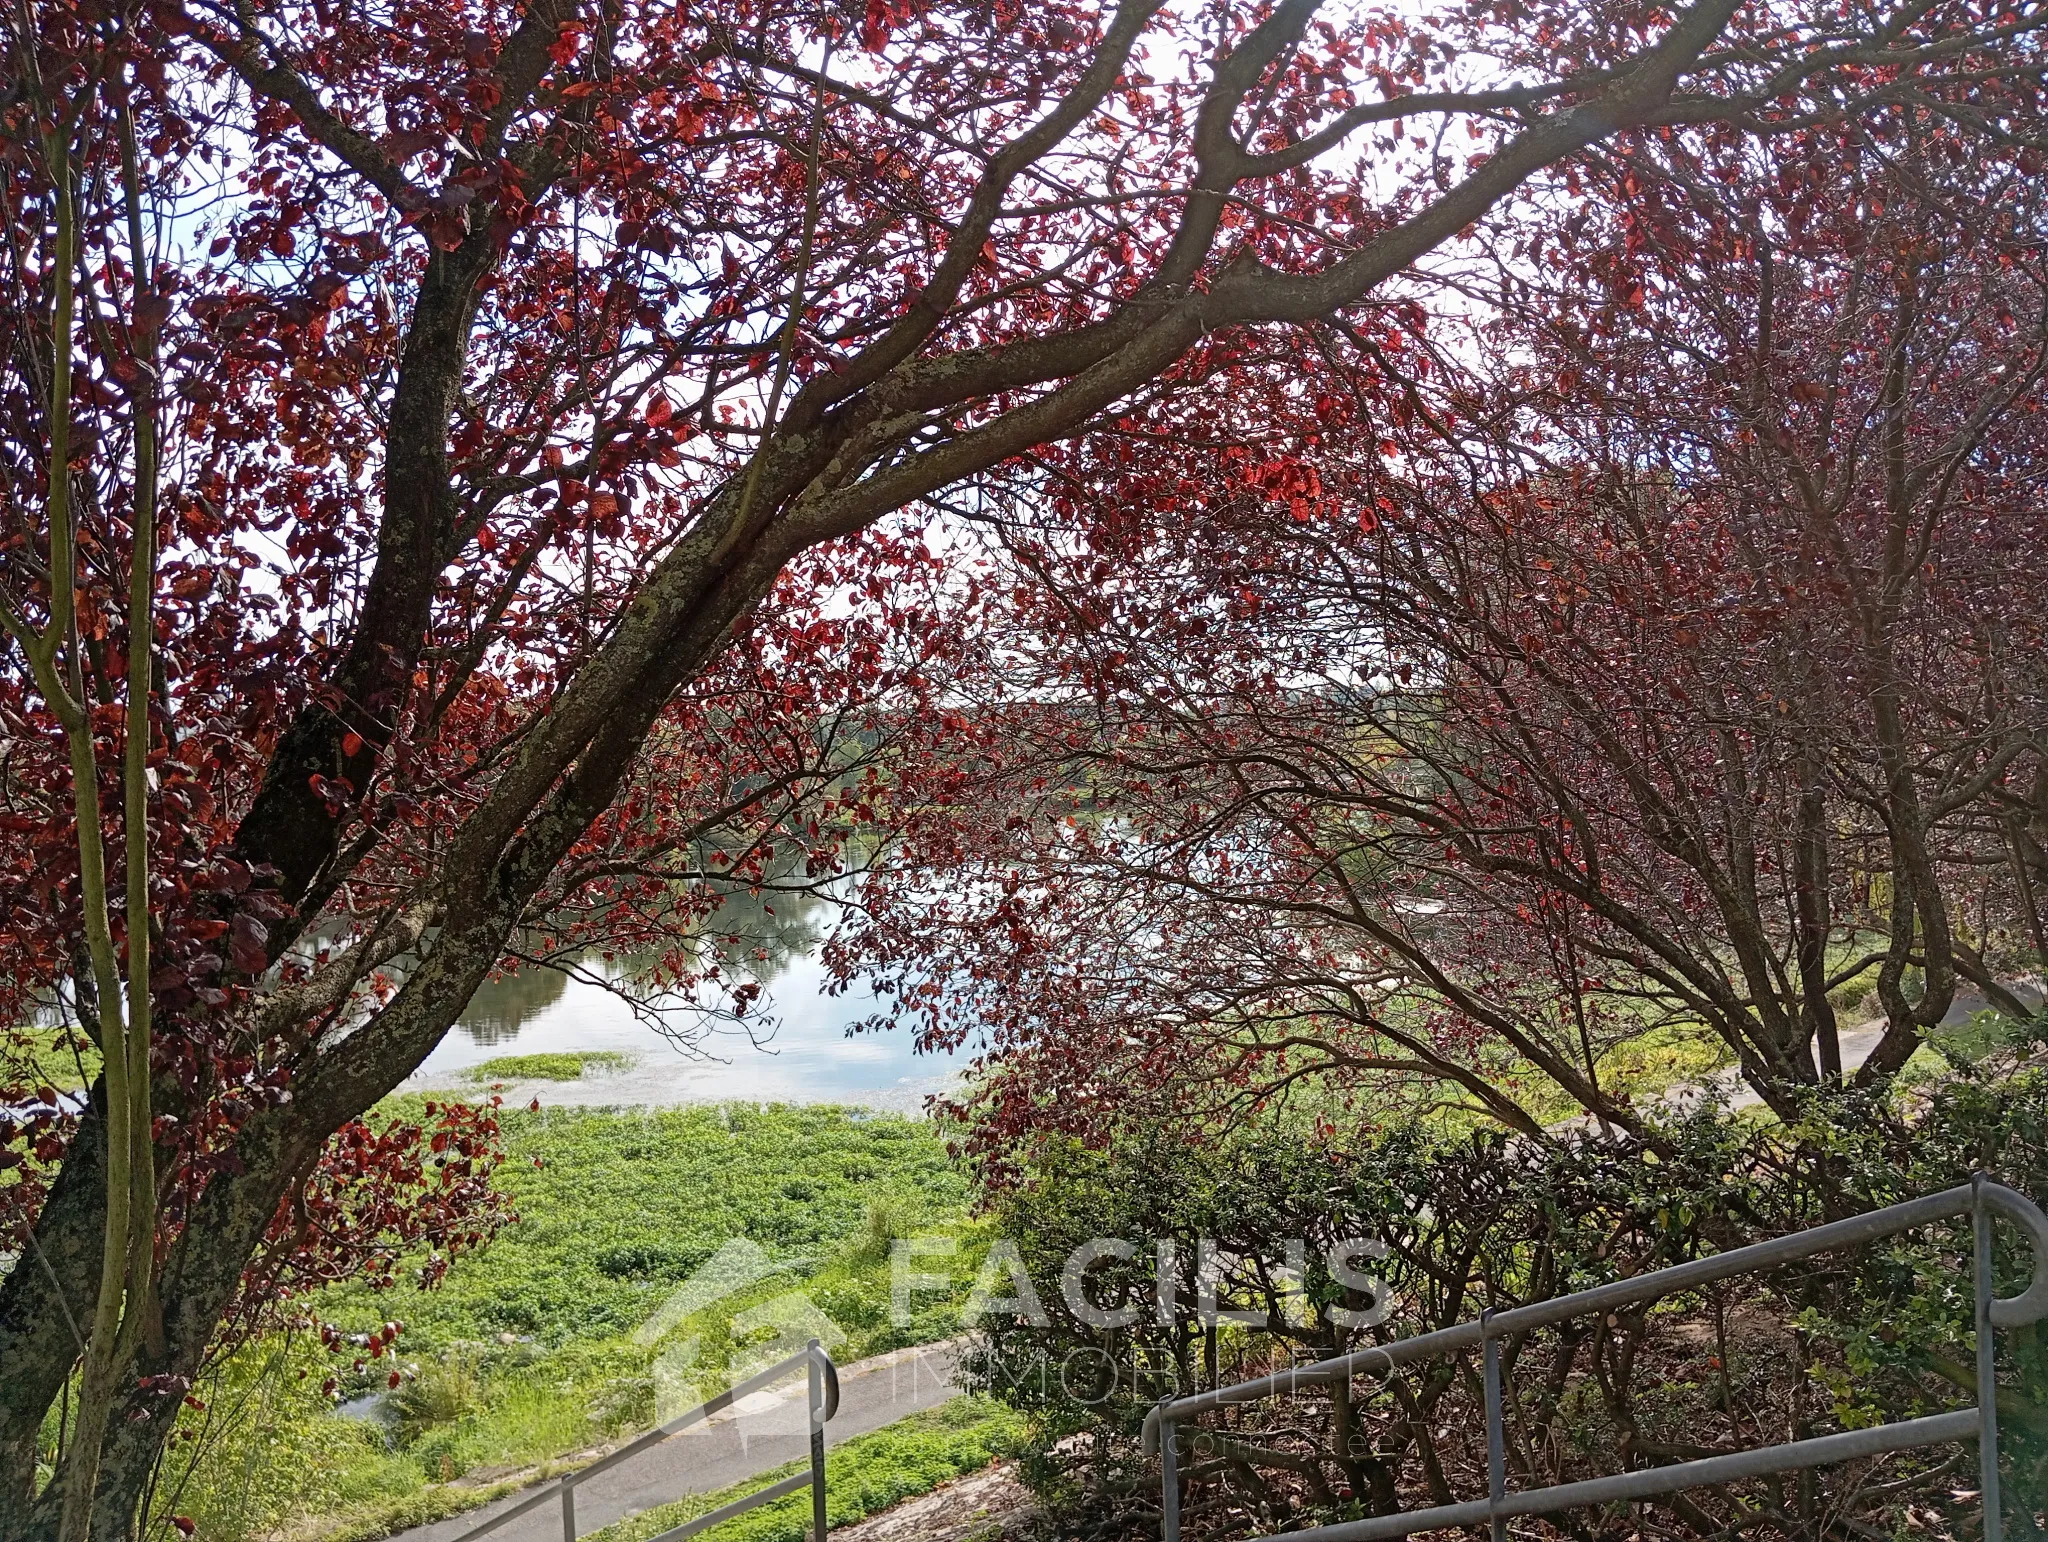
(751, 936)
(793, 1044)
(503, 1006)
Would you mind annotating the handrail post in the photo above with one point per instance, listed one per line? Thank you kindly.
(816, 1373)
(824, 1405)
(1169, 1481)
(1987, 1367)
(1496, 1442)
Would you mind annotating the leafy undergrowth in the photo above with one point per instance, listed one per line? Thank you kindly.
(554, 1066)
(625, 1206)
(1665, 1057)
(558, 1336)
(866, 1475)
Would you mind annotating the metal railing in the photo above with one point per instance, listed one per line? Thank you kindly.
(824, 1403)
(1980, 1199)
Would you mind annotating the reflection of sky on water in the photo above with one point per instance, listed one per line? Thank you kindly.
(805, 1053)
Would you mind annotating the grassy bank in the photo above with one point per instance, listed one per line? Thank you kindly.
(568, 1329)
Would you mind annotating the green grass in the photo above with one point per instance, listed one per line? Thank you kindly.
(422, 1508)
(538, 1346)
(624, 1206)
(559, 1066)
(1667, 1056)
(50, 1057)
(866, 1475)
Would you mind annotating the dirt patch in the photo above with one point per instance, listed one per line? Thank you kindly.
(982, 1507)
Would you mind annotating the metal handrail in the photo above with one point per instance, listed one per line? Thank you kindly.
(1980, 1199)
(824, 1400)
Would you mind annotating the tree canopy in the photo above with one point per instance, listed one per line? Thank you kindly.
(458, 456)
(1597, 672)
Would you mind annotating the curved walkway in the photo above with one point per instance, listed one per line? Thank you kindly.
(759, 1434)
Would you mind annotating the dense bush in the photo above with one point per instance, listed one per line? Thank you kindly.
(1479, 1220)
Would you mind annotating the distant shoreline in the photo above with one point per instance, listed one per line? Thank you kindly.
(647, 1085)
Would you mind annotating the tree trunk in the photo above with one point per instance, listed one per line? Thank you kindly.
(46, 1301)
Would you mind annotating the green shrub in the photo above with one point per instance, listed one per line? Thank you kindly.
(1986, 1034)
(887, 1219)
(1851, 994)
(441, 1391)
(1485, 1220)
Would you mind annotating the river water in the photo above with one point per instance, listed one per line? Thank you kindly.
(796, 1048)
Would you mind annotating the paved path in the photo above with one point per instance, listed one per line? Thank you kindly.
(763, 1432)
(1857, 1041)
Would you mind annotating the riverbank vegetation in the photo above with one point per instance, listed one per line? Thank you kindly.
(534, 1348)
(551, 1066)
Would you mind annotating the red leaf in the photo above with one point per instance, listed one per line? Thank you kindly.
(874, 27)
(248, 940)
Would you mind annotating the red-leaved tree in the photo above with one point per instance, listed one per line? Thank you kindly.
(1642, 662)
(466, 471)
